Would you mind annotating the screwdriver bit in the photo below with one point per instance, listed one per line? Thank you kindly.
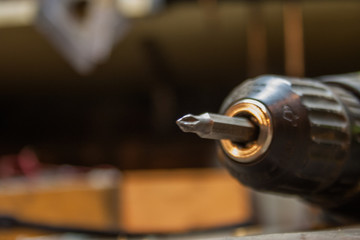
(216, 126)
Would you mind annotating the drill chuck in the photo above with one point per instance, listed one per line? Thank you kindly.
(307, 138)
(314, 148)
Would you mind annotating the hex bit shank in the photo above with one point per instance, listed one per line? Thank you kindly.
(216, 126)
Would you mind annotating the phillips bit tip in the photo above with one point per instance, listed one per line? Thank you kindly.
(193, 123)
(216, 126)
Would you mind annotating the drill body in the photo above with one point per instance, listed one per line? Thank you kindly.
(309, 144)
(293, 136)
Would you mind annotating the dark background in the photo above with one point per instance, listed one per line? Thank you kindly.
(178, 61)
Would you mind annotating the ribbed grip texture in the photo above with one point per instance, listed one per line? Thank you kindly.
(329, 130)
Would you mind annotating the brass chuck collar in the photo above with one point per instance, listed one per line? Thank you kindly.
(260, 117)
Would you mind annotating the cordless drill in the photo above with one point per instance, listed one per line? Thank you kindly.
(293, 136)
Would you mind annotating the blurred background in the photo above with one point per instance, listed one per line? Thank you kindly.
(90, 92)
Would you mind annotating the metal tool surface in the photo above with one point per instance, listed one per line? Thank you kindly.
(307, 140)
(216, 126)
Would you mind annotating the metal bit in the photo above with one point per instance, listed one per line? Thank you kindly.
(216, 126)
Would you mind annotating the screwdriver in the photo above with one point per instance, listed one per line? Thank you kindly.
(290, 135)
